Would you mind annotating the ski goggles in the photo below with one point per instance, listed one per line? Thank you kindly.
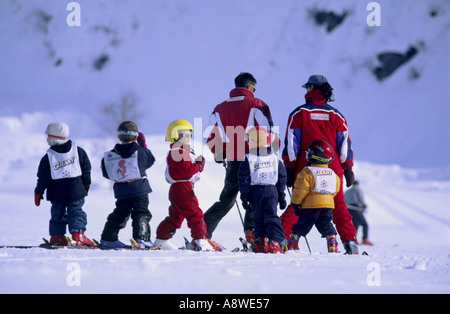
(132, 133)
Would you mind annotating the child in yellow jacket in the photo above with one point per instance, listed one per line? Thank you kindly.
(313, 196)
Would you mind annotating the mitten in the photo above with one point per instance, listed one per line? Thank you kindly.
(200, 161)
(349, 176)
(141, 140)
(37, 199)
(219, 157)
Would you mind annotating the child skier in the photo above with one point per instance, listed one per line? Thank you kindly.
(182, 171)
(65, 172)
(262, 181)
(125, 165)
(313, 196)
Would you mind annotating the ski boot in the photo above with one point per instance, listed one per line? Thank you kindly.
(292, 242)
(275, 247)
(332, 243)
(366, 242)
(351, 248)
(112, 245)
(58, 240)
(262, 245)
(144, 245)
(250, 238)
(78, 238)
(165, 245)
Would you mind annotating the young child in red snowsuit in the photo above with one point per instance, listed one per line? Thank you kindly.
(182, 171)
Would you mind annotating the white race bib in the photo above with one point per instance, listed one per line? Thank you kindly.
(325, 179)
(194, 178)
(65, 165)
(121, 169)
(263, 169)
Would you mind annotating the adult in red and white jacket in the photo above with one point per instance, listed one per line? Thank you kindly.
(316, 119)
(227, 140)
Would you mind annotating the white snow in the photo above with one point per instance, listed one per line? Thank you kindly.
(179, 57)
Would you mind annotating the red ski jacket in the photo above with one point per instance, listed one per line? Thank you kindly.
(317, 120)
(231, 119)
(181, 164)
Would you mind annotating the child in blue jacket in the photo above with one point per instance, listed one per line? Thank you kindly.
(125, 165)
(65, 173)
(262, 181)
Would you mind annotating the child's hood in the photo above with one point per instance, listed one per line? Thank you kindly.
(126, 150)
(62, 148)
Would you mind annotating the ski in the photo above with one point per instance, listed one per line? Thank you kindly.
(137, 246)
(189, 246)
(48, 246)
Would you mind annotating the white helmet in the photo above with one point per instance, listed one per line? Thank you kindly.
(57, 133)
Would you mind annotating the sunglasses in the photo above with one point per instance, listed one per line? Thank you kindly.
(253, 86)
(186, 135)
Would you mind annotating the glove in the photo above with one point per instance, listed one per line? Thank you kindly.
(200, 161)
(37, 199)
(297, 208)
(141, 140)
(349, 176)
(290, 174)
(87, 187)
(219, 157)
(246, 203)
(282, 202)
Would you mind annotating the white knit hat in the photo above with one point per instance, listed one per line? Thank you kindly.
(57, 133)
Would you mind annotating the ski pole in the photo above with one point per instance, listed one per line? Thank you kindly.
(307, 244)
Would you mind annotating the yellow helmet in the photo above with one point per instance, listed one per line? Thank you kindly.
(176, 126)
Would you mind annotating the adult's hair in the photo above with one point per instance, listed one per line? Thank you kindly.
(127, 131)
(244, 79)
(326, 90)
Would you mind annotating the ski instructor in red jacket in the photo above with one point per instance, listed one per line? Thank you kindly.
(226, 139)
(316, 119)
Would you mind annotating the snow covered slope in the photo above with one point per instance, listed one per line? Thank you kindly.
(407, 213)
(179, 59)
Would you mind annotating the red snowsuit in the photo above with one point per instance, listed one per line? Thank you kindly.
(182, 172)
(318, 120)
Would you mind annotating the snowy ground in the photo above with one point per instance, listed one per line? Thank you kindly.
(407, 211)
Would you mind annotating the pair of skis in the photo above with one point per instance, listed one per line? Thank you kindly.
(46, 245)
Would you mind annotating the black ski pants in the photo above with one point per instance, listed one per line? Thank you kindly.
(227, 200)
(320, 217)
(137, 208)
